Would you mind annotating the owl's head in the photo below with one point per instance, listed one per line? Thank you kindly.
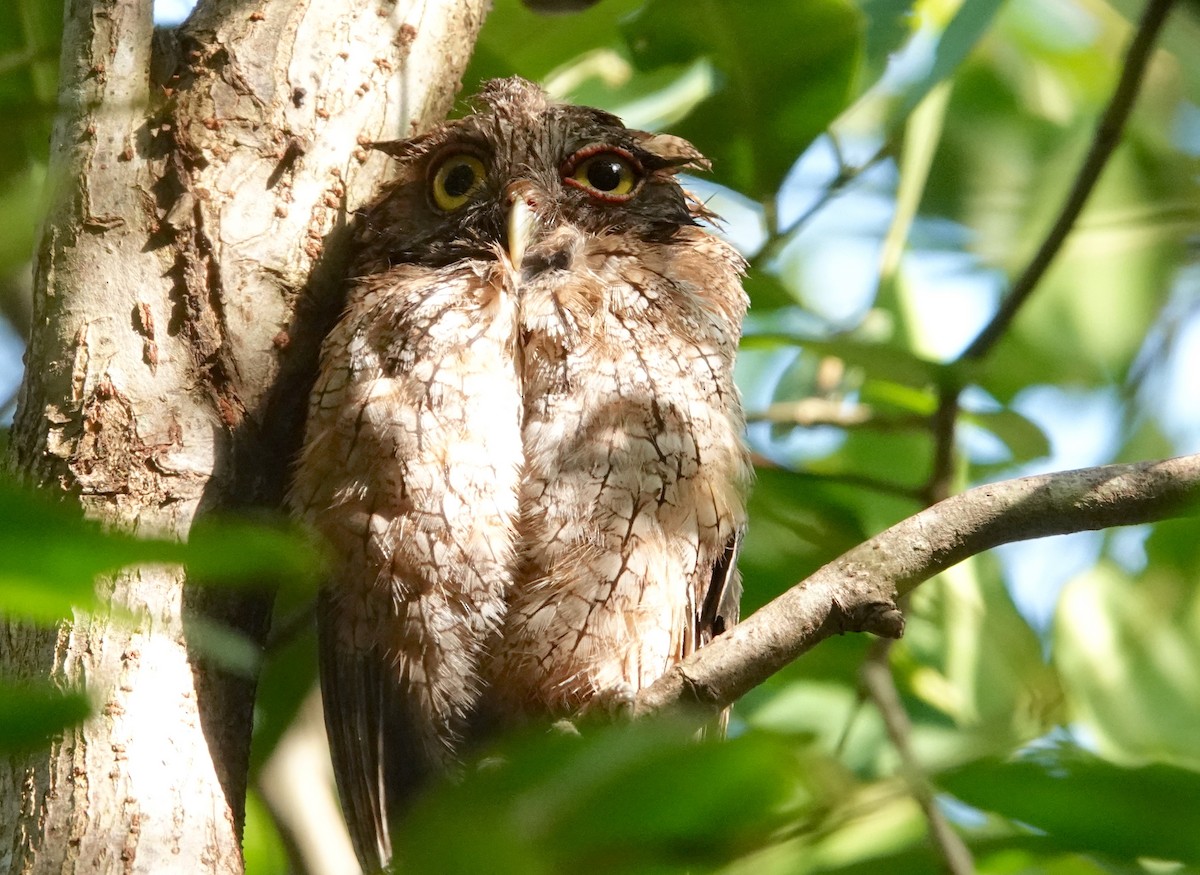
(520, 168)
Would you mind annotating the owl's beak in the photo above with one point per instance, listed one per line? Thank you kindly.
(522, 222)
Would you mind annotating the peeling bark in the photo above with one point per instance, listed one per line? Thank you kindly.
(202, 183)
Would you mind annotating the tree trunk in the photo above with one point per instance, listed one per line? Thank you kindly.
(201, 186)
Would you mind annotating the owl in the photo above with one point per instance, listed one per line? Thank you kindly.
(524, 443)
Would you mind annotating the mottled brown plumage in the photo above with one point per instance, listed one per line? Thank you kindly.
(524, 442)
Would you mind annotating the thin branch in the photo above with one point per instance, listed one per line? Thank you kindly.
(816, 412)
(813, 412)
(857, 592)
(877, 677)
(846, 175)
(1104, 142)
(944, 425)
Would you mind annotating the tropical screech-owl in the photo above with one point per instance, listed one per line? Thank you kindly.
(524, 442)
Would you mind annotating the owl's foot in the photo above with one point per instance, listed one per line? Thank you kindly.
(565, 727)
(613, 704)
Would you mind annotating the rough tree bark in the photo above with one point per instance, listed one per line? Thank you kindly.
(202, 182)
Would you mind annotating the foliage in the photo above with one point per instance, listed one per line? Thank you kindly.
(55, 562)
(1058, 732)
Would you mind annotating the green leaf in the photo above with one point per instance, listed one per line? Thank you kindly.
(248, 552)
(1088, 805)
(799, 524)
(262, 846)
(621, 799)
(892, 363)
(32, 714)
(969, 653)
(648, 101)
(767, 292)
(1129, 652)
(505, 46)
(287, 677)
(1004, 855)
(29, 36)
(787, 68)
(52, 555)
(889, 24)
(960, 36)
(1024, 439)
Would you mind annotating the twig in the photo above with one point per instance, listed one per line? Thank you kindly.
(857, 592)
(943, 425)
(846, 175)
(1104, 142)
(877, 677)
(880, 684)
(816, 412)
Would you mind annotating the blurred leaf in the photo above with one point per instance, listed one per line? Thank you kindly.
(31, 714)
(788, 71)
(886, 395)
(1181, 38)
(649, 101)
(505, 48)
(29, 38)
(20, 203)
(892, 362)
(262, 846)
(830, 716)
(1174, 549)
(240, 552)
(1089, 805)
(641, 798)
(889, 23)
(1007, 855)
(1129, 653)
(767, 292)
(956, 41)
(896, 463)
(223, 645)
(1024, 439)
(288, 675)
(800, 523)
(1006, 160)
(52, 555)
(968, 652)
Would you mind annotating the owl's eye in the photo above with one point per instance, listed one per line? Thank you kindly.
(610, 174)
(456, 178)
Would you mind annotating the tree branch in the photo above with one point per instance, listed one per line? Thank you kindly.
(857, 592)
(877, 678)
(1104, 142)
(814, 412)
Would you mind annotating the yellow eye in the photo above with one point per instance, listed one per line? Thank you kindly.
(455, 180)
(609, 175)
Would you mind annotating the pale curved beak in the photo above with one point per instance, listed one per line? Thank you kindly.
(522, 222)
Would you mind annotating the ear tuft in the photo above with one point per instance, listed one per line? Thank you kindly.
(676, 152)
(395, 148)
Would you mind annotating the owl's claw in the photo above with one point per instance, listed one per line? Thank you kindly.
(565, 727)
(613, 704)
